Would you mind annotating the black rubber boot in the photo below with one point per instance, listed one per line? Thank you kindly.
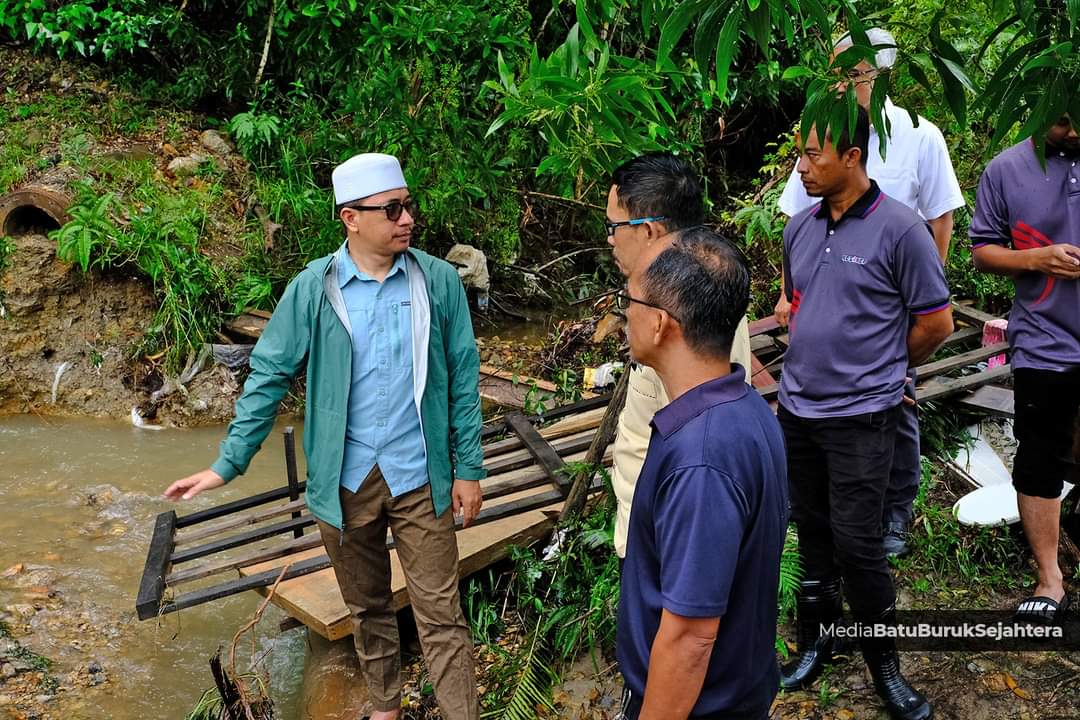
(902, 701)
(820, 602)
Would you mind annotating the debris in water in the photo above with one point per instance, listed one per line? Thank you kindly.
(138, 421)
(56, 380)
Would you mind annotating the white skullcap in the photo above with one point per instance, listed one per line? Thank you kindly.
(879, 38)
(366, 174)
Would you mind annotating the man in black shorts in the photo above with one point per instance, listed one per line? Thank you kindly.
(1027, 226)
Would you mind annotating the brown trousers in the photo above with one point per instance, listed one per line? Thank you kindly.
(427, 548)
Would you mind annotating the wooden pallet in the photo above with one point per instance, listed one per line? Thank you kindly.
(243, 545)
(936, 380)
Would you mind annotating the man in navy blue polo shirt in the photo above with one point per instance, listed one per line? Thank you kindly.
(697, 614)
(868, 300)
(1027, 226)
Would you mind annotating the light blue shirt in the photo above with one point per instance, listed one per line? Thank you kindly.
(383, 426)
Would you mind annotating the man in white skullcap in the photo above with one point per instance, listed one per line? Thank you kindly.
(392, 427)
(917, 171)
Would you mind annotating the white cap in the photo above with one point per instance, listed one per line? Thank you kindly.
(879, 38)
(366, 174)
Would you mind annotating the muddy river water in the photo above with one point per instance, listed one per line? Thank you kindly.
(77, 503)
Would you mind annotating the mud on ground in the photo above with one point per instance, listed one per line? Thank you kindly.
(69, 345)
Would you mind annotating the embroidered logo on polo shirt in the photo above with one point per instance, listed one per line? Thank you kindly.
(853, 259)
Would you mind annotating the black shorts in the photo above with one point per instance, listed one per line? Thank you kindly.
(1047, 405)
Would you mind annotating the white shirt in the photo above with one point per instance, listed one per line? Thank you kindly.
(917, 170)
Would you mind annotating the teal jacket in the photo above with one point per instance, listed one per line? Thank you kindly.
(310, 328)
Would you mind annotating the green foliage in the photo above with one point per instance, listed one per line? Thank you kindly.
(255, 132)
(529, 680)
(593, 108)
(7, 249)
(159, 236)
(87, 28)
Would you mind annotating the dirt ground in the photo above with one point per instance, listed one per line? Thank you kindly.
(68, 345)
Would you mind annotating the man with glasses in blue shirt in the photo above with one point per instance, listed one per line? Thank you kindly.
(652, 198)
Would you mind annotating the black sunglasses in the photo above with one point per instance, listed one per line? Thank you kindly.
(623, 300)
(392, 209)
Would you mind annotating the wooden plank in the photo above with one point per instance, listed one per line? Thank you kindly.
(508, 484)
(247, 324)
(600, 401)
(541, 449)
(764, 325)
(941, 387)
(588, 420)
(290, 470)
(316, 599)
(199, 572)
(233, 541)
(251, 582)
(940, 367)
(319, 562)
(523, 458)
(962, 335)
(759, 374)
(152, 585)
(990, 399)
(252, 518)
(235, 506)
(510, 389)
(972, 314)
(762, 344)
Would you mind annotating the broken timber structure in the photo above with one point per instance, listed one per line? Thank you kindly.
(250, 541)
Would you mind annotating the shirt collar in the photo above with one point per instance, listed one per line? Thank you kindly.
(866, 204)
(697, 400)
(347, 269)
(1056, 153)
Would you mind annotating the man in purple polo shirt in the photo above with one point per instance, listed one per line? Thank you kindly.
(917, 171)
(868, 300)
(1027, 226)
(697, 613)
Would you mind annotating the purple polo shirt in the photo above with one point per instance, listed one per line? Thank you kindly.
(706, 531)
(1018, 204)
(854, 286)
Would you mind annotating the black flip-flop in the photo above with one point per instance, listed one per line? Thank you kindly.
(1041, 610)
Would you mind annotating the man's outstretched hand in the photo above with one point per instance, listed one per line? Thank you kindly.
(467, 499)
(192, 485)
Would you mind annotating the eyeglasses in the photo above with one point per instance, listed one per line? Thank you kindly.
(623, 300)
(392, 209)
(613, 226)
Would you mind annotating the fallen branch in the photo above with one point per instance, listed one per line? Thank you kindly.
(266, 46)
(243, 699)
(575, 499)
(567, 255)
(559, 198)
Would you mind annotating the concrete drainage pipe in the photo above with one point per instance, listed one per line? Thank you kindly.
(33, 210)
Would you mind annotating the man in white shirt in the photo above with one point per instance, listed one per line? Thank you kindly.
(916, 171)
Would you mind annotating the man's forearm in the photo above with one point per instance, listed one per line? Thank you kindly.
(677, 666)
(942, 228)
(926, 335)
(1002, 260)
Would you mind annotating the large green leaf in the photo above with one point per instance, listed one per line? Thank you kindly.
(1005, 25)
(1004, 76)
(708, 31)
(761, 27)
(954, 90)
(1074, 12)
(726, 48)
(877, 115)
(675, 26)
(587, 32)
